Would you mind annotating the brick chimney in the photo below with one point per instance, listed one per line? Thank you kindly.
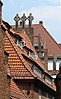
(41, 22)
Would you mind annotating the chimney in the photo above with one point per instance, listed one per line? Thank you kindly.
(0, 12)
(41, 22)
(54, 62)
(58, 84)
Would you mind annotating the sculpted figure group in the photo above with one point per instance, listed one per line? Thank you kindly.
(23, 19)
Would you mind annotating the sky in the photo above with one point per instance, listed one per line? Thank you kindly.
(48, 11)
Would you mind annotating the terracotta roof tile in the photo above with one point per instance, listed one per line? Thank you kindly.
(20, 69)
(23, 35)
(17, 64)
(51, 44)
(15, 92)
(29, 45)
(46, 38)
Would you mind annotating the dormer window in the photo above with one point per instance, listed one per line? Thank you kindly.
(41, 55)
(31, 54)
(21, 43)
(37, 71)
(48, 80)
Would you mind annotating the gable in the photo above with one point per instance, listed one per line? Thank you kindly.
(18, 69)
(51, 44)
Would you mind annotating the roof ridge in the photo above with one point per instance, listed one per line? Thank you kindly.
(22, 59)
(43, 67)
(29, 41)
(34, 52)
(51, 36)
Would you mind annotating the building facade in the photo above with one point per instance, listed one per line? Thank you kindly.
(47, 48)
(27, 70)
(23, 69)
(4, 78)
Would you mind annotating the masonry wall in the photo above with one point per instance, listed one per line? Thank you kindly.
(30, 34)
(32, 91)
(27, 88)
(3, 69)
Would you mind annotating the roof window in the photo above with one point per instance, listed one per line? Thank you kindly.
(48, 80)
(21, 43)
(37, 71)
(31, 54)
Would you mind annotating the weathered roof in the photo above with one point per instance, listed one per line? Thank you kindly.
(20, 69)
(51, 44)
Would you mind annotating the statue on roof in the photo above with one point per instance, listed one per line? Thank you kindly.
(30, 18)
(54, 62)
(40, 42)
(16, 18)
(23, 18)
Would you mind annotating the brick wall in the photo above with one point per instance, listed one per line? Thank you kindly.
(3, 69)
(27, 89)
(30, 34)
(4, 85)
(33, 90)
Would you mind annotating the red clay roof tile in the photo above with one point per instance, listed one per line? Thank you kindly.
(19, 68)
(51, 44)
(15, 92)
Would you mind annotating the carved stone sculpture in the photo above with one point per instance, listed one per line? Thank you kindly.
(30, 18)
(16, 18)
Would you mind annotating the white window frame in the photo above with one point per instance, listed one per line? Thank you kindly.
(50, 64)
(57, 64)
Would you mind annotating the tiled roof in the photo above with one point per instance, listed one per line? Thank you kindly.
(15, 92)
(29, 45)
(51, 44)
(20, 69)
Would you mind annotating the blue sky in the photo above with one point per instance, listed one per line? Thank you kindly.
(49, 11)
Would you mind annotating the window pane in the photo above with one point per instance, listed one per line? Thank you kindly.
(50, 65)
(57, 64)
(48, 80)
